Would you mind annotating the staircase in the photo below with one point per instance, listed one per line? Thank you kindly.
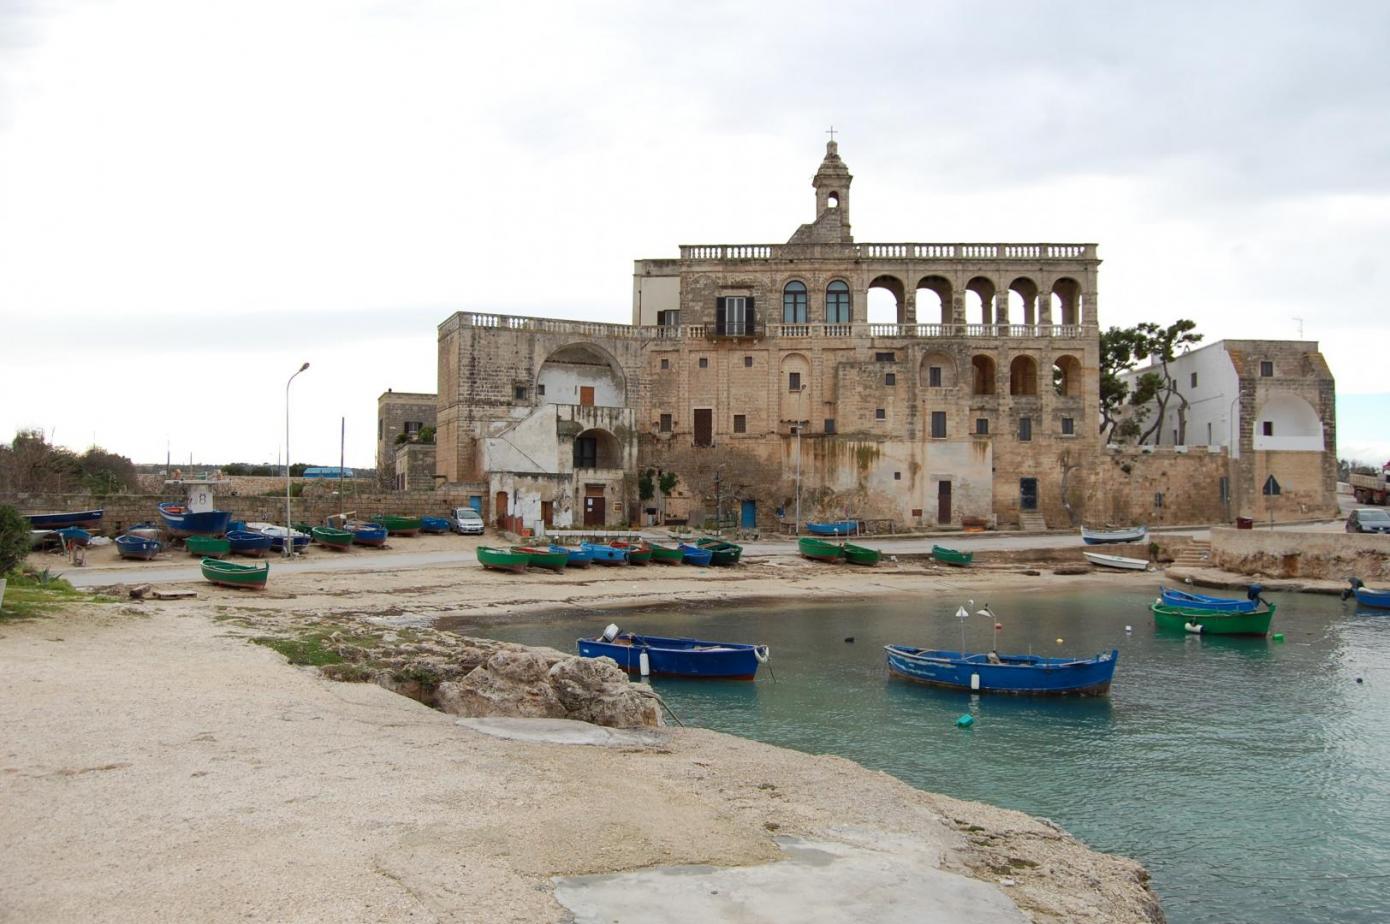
(1196, 554)
(1030, 521)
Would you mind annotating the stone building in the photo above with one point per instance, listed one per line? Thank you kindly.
(400, 416)
(752, 373)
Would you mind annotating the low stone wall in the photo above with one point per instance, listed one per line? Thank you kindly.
(1292, 554)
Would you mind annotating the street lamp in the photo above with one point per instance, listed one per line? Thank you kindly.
(289, 529)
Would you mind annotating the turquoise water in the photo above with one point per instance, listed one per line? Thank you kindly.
(1251, 777)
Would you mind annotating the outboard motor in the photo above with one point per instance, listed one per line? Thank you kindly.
(1355, 583)
(611, 632)
(1253, 591)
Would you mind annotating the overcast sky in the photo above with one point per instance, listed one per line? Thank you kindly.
(196, 197)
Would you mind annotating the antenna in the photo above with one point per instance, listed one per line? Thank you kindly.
(1300, 327)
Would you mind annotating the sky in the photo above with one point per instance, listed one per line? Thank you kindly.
(198, 197)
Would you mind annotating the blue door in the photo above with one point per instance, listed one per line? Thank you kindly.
(750, 514)
(476, 502)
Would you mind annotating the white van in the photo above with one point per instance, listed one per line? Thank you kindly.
(466, 522)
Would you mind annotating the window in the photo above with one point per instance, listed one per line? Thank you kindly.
(830, 425)
(793, 381)
(665, 423)
(880, 414)
(668, 318)
(380, 427)
(1158, 500)
(837, 309)
(1025, 429)
(897, 476)
(740, 423)
(794, 303)
(938, 425)
(884, 358)
(704, 362)
(982, 426)
(1266, 369)
(748, 362)
(1194, 380)
(540, 390)
(890, 378)
(1068, 426)
(1267, 427)
(412, 427)
(586, 452)
(665, 364)
(733, 316)
(934, 376)
(520, 392)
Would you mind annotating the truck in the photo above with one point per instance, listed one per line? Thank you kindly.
(1370, 489)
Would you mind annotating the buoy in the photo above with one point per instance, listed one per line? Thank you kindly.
(998, 626)
(965, 721)
(1193, 627)
(1358, 679)
(644, 664)
(1278, 636)
(1059, 641)
(974, 681)
(1129, 628)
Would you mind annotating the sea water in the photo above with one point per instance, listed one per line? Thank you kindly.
(1251, 776)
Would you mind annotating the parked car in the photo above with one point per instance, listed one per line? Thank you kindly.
(466, 522)
(1368, 520)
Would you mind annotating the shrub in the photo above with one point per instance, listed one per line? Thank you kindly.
(14, 539)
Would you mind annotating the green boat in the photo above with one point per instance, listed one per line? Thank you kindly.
(503, 559)
(638, 553)
(331, 537)
(398, 526)
(1207, 622)
(230, 574)
(724, 554)
(951, 556)
(819, 549)
(666, 556)
(542, 557)
(860, 555)
(207, 546)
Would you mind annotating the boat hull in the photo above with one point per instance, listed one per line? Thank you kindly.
(245, 542)
(1118, 562)
(207, 546)
(180, 523)
(1111, 536)
(369, 534)
(1184, 600)
(398, 526)
(605, 554)
(951, 556)
(434, 525)
(575, 558)
(839, 528)
(1021, 675)
(137, 548)
(666, 555)
(44, 521)
(228, 574)
(502, 559)
(860, 555)
(694, 555)
(678, 657)
(542, 557)
(1374, 599)
(1208, 622)
(332, 538)
(819, 550)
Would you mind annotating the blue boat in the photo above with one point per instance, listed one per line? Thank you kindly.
(694, 555)
(578, 558)
(39, 521)
(604, 554)
(364, 533)
(137, 547)
(1185, 600)
(676, 657)
(180, 521)
(838, 528)
(986, 672)
(73, 535)
(249, 542)
(1365, 596)
(276, 534)
(434, 525)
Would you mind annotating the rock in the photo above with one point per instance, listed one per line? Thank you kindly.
(511, 683)
(138, 591)
(1072, 569)
(596, 690)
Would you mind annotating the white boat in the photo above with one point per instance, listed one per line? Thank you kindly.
(1117, 561)
(1106, 536)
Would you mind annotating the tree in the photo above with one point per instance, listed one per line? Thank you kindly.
(14, 539)
(646, 488)
(1120, 348)
(1163, 343)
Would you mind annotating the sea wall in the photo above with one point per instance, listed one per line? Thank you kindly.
(1295, 554)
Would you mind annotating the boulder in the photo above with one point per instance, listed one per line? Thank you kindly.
(596, 690)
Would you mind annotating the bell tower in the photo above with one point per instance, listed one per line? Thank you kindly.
(831, 184)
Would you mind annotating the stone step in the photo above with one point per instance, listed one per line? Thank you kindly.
(1032, 522)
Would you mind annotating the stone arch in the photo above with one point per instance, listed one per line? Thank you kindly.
(945, 376)
(839, 302)
(597, 448)
(1023, 376)
(795, 302)
(983, 374)
(1066, 301)
(1023, 300)
(1066, 376)
(794, 394)
(1287, 422)
(941, 287)
(568, 370)
(982, 304)
(877, 307)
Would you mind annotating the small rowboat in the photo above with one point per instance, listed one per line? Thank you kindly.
(137, 547)
(38, 538)
(722, 554)
(951, 556)
(74, 535)
(838, 528)
(861, 555)
(1209, 622)
(677, 657)
(434, 525)
(819, 550)
(1365, 596)
(1184, 600)
(503, 559)
(694, 555)
(542, 557)
(331, 537)
(299, 540)
(604, 554)
(666, 555)
(574, 557)
(230, 574)
(1117, 561)
(977, 672)
(246, 542)
(207, 546)
(146, 530)
(398, 526)
(366, 533)
(179, 521)
(47, 521)
(638, 553)
(1107, 536)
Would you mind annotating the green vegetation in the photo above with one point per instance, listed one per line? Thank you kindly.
(31, 593)
(308, 650)
(1120, 350)
(31, 463)
(14, 539)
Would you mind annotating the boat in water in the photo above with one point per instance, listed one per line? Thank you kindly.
(51, 521)
(137, 548)
(1367, 597)
(1182, 599)
(1108, 536)
(231, 574)
(1117, 561)
(987, 672)
(676, 657)
(1212, 622)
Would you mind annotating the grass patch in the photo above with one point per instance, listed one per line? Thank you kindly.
(348, 673)
(308, 650)
(30, 593)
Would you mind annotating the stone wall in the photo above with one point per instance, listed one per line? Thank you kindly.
(1127, 481)
(261, 484)
(1290, 554)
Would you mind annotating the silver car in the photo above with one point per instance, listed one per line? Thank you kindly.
(466, 522)
(1368, 520)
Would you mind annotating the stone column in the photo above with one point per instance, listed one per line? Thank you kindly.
(1044, 311)
(909, 306)
(957, 306)
(1001, 308)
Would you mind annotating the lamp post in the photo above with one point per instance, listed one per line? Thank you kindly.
(800, 393)
(289, 529)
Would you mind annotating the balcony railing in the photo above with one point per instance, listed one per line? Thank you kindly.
(998, 251)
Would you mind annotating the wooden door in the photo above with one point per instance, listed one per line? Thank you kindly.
(1028, 493)
(704, 427)
(501, 507)
(595, 512)
(943, 502)
(586, 396)
(548, 513)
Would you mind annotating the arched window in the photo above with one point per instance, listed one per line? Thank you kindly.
(1023, 376)
(837, 303)
(794, 303)
(1066, 376)
(983, 375)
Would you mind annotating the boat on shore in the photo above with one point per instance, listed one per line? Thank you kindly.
(147, 530)
(638, 553)
(1211, 622)
(694, 555)
(502, 559)
(602, 554)
(987, 672)
(231, 574)
(249, 543)
(207, 546)
(397, 525)
(1117, 561)
(861, 555)
(574, 557)
(74, 536)
(434, 525)
(819, 550)
(676, 657)
(331, 537)
(666, 554)
(951, 556)
(51, 521)
(137, 548)
(542, 557)
(1366, 596)
(722, 554)
(837, 528)
(181, 522)
(277, 534)
(1182, 599)
(1110, 536)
